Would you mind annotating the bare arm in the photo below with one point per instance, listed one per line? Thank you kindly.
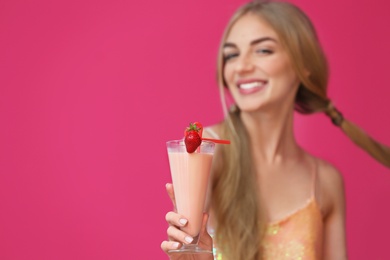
(334, 228)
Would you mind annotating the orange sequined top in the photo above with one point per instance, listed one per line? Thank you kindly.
(298, 236)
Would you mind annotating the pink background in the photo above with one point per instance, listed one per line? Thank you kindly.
(91, 90)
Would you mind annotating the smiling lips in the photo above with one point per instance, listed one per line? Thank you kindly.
(251, 86)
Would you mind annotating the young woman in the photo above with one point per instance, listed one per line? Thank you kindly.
(270, 199)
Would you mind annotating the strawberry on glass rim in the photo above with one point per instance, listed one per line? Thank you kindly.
(193, 137)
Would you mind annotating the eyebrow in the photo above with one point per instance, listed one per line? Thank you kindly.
(254, 42)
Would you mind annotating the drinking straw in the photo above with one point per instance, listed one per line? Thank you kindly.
(217, 141)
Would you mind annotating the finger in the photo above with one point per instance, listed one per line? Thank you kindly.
(204, 221)
(176, 234)
(176, 219)
(170, 245)
(171, 194)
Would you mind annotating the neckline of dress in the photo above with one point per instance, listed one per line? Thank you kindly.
(309, 201)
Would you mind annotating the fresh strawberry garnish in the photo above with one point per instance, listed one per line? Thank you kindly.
(192, 137)
(192, 141)
(200, 127)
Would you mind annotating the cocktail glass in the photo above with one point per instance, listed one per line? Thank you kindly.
(190, 175)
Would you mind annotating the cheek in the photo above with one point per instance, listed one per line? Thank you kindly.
(229, 80)
(227, 74)
(290, 75)
(284, 72)
(277, 67)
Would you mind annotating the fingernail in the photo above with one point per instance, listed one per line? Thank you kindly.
(176, 245)
(183, 221)
(188, 239)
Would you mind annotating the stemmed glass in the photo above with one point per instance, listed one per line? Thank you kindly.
(190, 175)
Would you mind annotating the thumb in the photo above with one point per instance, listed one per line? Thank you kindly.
(171, 194)
(204, 223)
(205, 239)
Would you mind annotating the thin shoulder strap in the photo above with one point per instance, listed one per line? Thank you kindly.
(212, 133)
(315, 180)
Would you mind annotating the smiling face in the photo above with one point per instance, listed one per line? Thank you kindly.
(257, 69)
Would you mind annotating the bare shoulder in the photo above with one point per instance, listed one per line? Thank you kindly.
(329, 174)
(331, 185)
(215, 132)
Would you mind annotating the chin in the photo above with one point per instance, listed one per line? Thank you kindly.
(252, 104)
(250, 109)
(258, 107)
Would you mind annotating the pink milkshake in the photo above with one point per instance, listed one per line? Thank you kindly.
(190, 174)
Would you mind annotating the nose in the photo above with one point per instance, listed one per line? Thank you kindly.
(244, 64)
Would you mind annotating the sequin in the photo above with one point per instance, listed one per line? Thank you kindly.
(273, 230)
(295, 237)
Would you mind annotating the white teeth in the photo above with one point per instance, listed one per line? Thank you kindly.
(250, 85)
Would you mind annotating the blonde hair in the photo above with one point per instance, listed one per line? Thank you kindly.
(234, 200)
